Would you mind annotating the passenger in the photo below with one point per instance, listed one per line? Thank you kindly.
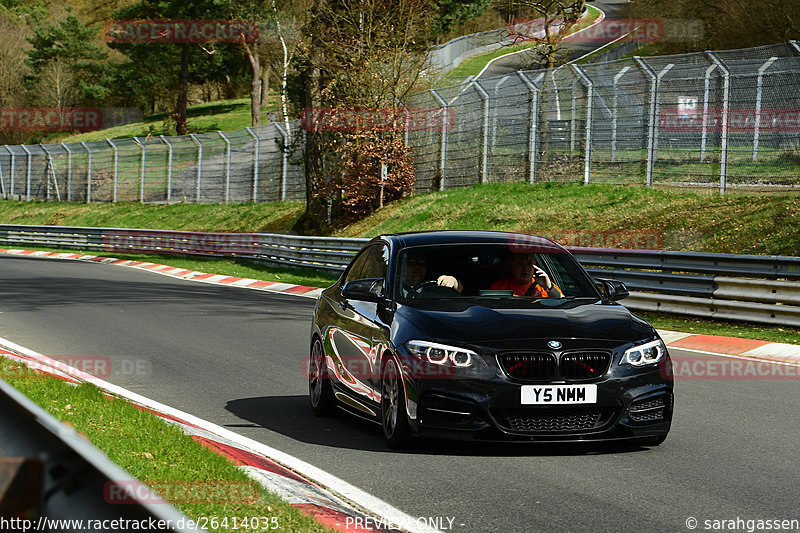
(415, 274)
(527, 279)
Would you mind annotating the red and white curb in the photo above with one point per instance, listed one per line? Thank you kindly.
(175, 272)
(330, 500)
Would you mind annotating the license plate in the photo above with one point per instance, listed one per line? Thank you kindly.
(558, 394)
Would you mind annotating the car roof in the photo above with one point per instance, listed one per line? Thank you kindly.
(520, 241)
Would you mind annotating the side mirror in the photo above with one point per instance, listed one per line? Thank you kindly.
(614, 289)
(367, 290)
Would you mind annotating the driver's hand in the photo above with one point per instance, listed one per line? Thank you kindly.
(450, 282)
(541, 277)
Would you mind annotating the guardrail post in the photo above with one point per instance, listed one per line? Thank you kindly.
(759, 88)
(88, 173)
(69, 171)
(726, 96)
(533, 121)
(652, 131)
(27, 172)
(615, 88)
(587, 156)
(443, 147)
(706, 90)
(116, 168)
(484, 133)
(287, 137)
(199, 163)
(227, 166)
(169, 169)
(256, 150)
(144, 160)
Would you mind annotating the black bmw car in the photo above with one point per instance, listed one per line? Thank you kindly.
(488, 336)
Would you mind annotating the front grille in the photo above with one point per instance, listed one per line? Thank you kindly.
(552, 420)
(529, 366)
(651, 410)
(584, 365)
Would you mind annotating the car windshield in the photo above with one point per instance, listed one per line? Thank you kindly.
(499, 275)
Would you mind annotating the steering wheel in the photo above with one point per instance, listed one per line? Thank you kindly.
(419, 287)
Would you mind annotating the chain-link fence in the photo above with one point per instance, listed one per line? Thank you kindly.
(727, 120)
(248, 165)
(723, 119)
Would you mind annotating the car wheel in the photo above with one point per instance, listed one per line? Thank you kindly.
(393, 406)
(320, 390)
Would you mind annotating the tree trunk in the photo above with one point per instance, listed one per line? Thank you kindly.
(265, 74)
(183, 92)
(255, 84)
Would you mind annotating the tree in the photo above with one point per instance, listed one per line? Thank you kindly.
(177, 62)
(65, 50)
(359, 56)
(451, 14)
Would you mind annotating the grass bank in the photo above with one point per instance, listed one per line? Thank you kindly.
(193, 478)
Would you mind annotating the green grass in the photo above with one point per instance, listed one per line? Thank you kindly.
(224, 115)
(670, 219)
(272, 217)
(473, 65)
(155, 452)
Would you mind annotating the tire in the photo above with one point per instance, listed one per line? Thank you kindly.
(320, 389)
(393, 406)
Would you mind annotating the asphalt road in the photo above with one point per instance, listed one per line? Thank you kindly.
(233, 356)
(576, 49)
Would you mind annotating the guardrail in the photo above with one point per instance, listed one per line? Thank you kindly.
(51, 478)
(752, 288)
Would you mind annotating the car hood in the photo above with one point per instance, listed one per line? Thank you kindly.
(505, 328)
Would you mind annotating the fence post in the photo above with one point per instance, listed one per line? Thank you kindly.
(116, 167)
(533, 122)
(227, 166)
(726, 95)
(88, 173)
(199, 163)
(652, 131)
(572, 126)
(796, 45)
(286, 134)
(52, 168)
(27, 172)
(69, 171)
(759, 87)
(485, 133)
(2, 184)
(169, 169)
(11, 175)
(443, 147)
(256, 151)
(706, 90)
(494, 115)
(144, 160)
(615, 86)
(587, 156)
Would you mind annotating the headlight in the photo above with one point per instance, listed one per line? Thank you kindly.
(441, 354)
(644, 354)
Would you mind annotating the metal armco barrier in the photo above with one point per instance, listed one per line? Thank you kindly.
(751, 288)
(54, 478)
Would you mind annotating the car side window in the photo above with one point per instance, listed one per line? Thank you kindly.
(354, 272)
(376, 262)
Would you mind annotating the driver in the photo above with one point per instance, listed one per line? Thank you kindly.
(416, 271)
(527, 279)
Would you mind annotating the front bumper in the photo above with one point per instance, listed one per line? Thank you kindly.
(631, 404)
